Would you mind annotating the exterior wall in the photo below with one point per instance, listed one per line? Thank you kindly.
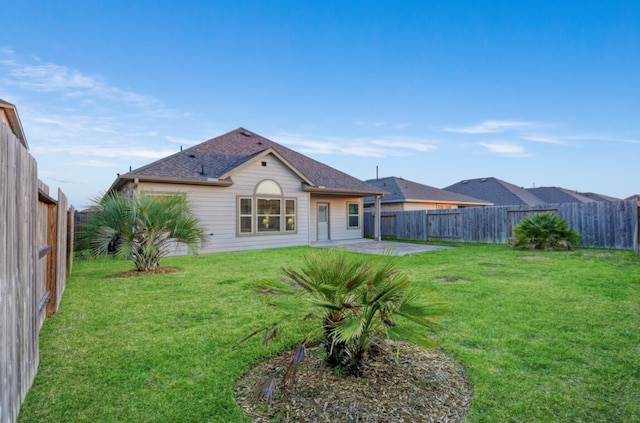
(338, 218)
(216, 208)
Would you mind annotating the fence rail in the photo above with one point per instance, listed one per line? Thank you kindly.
(33, 267)
(611, 224)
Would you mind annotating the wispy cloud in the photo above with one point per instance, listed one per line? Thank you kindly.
(506, 149)
(41, 76)
(493, 127)
(364, 147)
(544, 139)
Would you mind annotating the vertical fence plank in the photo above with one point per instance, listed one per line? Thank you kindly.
(611, 224)
(20, 290)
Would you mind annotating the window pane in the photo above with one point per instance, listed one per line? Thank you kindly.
(268, 187)
(245, 206)
(245, 224)
(291, 223)
(268, 223)
(353, 222)
(290, 207)
(353, 208)
(268, 206)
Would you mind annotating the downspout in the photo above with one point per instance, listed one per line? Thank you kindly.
(377, 231)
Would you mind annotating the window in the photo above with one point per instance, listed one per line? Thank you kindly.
(290, 215)
(353, 215)
(267, 211)
(268, 215)
(246, 215)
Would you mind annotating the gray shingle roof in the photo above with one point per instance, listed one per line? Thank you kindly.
(560, 195)
(400, 190)
(497, 191)
(217, 157)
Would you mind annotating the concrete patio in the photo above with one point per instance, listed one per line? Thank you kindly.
(370, 246)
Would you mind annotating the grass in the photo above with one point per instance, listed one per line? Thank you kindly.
(544, 336)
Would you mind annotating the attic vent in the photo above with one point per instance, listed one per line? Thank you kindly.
(259, 143)
(483, 180)
(264, 164)
(193, 156)
(465, 182)
(246, 134)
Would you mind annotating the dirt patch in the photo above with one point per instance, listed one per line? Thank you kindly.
(136, 273)
(422, 386)
(449, 279)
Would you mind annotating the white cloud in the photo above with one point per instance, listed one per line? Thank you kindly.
(493, 127)
(544, 139)
(505, 149)
(363, 147)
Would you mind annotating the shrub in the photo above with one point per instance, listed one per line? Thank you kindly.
(362, 304)
(545, 231)
(141, 228)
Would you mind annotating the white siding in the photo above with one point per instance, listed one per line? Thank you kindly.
(216, 207)
(338, 218)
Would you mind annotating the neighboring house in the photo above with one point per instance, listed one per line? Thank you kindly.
(563, 195)
(403, 195)
(496, 191)
(249, 192)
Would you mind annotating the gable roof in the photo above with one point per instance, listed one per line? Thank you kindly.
(563, 195)
(400, 191)
(495, 190)
(14, 123)
(213, 162)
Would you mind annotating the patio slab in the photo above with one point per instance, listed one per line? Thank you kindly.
(379, 247)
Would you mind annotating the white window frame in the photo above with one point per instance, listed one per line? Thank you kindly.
(350, 215)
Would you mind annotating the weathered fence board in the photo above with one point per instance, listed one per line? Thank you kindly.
(612, 224)
(24, 264)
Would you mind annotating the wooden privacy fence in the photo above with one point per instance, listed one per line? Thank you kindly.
(611, 224)
(34, 262)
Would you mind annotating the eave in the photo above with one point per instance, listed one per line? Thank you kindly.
(338, 191)
(123, 179)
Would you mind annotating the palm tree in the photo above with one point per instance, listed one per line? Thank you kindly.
(545, 231)
(142, 227)
(363, 304)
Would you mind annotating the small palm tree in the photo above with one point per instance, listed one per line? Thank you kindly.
(363, 305)
(545, 231)
(142, 228)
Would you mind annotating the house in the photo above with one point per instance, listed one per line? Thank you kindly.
(563, 195)
(249, 192)
(496, 191)
(404, 195)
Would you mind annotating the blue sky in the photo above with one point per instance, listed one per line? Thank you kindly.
(537, 93)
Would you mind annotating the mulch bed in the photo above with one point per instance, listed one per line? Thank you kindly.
(423, 386)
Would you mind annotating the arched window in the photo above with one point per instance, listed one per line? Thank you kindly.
(267, 211)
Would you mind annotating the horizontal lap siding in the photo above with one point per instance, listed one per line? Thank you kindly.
(216, 208)
(338, 219)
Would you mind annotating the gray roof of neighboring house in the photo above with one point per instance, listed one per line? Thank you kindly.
(14, 121)
(497, 191)
(400, 190)
(212, 161)
(563, 195)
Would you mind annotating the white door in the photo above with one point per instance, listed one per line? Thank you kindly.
(323, 222)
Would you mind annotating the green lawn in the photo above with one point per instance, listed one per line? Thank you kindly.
(548, 337)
